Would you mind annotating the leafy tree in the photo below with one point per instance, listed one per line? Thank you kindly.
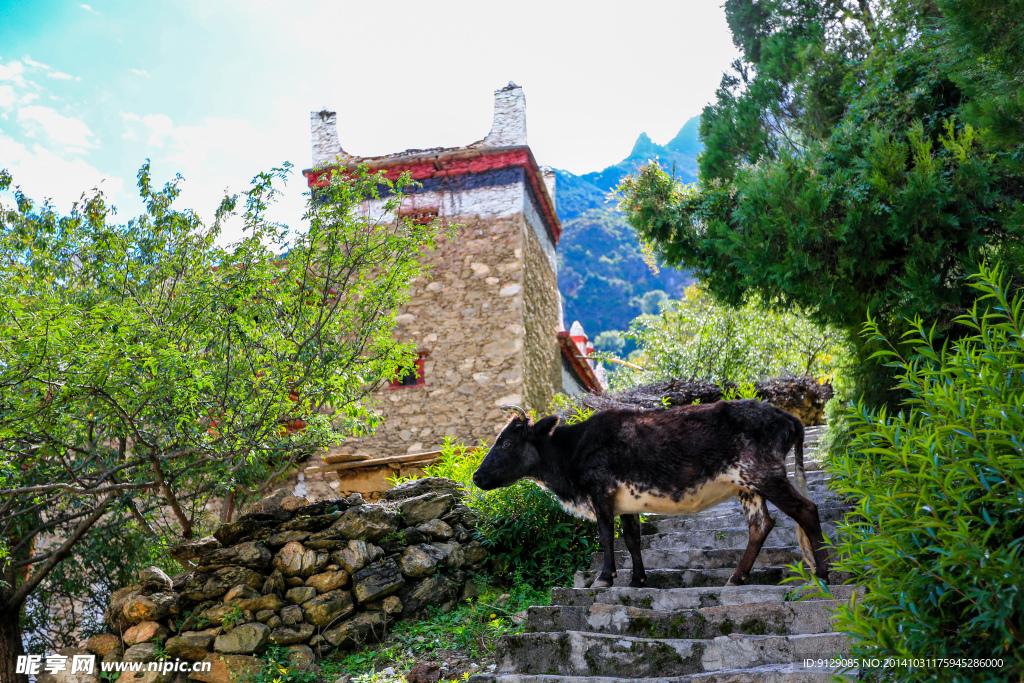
(841, 173)
(147, 370)
(696, 338)
(652, 301)
(936, 535)
(610, 341)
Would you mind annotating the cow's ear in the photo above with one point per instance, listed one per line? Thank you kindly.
(546, 426)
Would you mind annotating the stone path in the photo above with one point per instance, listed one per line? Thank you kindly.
(686, 625)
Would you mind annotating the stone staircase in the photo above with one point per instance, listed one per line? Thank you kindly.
(686, 625)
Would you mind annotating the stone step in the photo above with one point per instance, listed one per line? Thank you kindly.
(759, 618)
(717, 558)
(730, 514)
(687, 578)
(672, 599)
(769, 673)
(725, 537)
(575, 653)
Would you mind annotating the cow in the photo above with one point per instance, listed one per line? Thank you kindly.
(624, 462)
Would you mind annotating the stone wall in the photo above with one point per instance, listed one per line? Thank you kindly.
(314, 577)
(542, 359)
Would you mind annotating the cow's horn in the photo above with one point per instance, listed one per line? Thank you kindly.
(518, 411)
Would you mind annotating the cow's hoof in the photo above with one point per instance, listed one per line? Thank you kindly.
(601, 583)
(735, 582)
(638, 584)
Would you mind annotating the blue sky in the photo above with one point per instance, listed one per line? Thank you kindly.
(219, 90)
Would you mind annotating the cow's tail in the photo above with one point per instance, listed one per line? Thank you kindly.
(801, 485)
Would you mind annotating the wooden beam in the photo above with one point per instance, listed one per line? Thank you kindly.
(375, 462)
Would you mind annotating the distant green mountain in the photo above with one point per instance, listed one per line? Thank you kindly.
(601, 271)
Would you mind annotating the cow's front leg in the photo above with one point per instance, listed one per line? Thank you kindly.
(631, 535)
(606, 532)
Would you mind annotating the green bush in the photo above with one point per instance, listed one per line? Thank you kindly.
(525, 529)
(937, 535)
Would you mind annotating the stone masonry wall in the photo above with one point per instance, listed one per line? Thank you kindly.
(542, 359)
(313, 577)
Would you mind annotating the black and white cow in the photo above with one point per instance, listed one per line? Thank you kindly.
(675, 461)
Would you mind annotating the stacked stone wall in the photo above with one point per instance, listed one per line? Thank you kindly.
(310, 577)
(542, 359)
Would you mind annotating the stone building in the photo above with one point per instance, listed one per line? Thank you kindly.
(486, 317)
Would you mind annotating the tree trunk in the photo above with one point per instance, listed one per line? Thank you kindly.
(10, 645)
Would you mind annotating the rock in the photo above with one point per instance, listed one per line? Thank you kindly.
(138, 608)
(289, 635)
(274, 622)
(328, 581)
(455, 556)
(242, 592)
(418, 561)
(243, 640)
(249, 554)
(474, 553)
(263, 615)
(299, 595)
(433, 591)
(225, 615)
(294, 559)
(355, 498)
(424, 508)
(469, 591)
(272, 502)
(424, 672)
(389, 605)
(209, 586)
(141, 652)
(366, 627)
(369, 522)
(312, 524)
(356, 555)
(460, 533)
(377, 581)
(191, 645)
(145, 677)
(114, 614)
(66, 676)
(437, 530)
(301, 657)
(293, 503)
(227, 669)
(233, 533)
(418, 487)
(294, 582)
(103, 644)
(329, 607)
(282, 537)
(193, 550)
(261, 603)
(413, 536)
(291, 615)
(268, 518)
(145, 632)
(329, 506)
(154, 579)
(274, 584)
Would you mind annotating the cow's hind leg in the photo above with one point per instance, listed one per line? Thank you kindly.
(631, 536)
(781, 492)
(759, 523)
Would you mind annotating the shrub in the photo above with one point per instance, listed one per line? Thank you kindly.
(525, 529)
(937, 535)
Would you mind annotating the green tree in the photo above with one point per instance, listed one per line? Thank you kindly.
(610, 341)
(841, 173)
(147, 370)
(696, 338)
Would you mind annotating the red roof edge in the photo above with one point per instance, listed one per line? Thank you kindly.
(579, 364)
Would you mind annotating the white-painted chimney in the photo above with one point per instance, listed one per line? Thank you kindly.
(509, 126)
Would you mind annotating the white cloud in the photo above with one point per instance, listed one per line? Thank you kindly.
(60, 129)
(141, 72)
(63, 76)
(13, 72)
(160, 126)
(9, 97)
(43, 174)
(38, 65)
(87, 8)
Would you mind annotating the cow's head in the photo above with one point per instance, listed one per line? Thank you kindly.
(514, 454)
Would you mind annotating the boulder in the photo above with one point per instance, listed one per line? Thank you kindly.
(366, 627)
(155, 580)
(114, 614)
(377, 581)
(243, 640)
(369, 522)
(418, 487)
(424, 672)
(293, 503)
(420, 509)
(356, 555)
(138, 608)
(227, 669)
(261, 603)
(311, 523)
(141, 652)
(249, 554)
(291, 615)
(474, 553)
(413, 536)
(328, 581)
(282, 537)
(328, 608)
(299, 595)
(433, 591)
(436, 530)
(274, 584)
(233, 533)
(191, 645)
(274, 501)
(460, 533)
(193, 550)
(289, 635)
(418, 561)
(241, 592)
(144, 632)
(454, 555)
(301, 657)
(263, 615)
(103, 644)
(294, 559)
(389, 605)
(210, 586)
(274, 622)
